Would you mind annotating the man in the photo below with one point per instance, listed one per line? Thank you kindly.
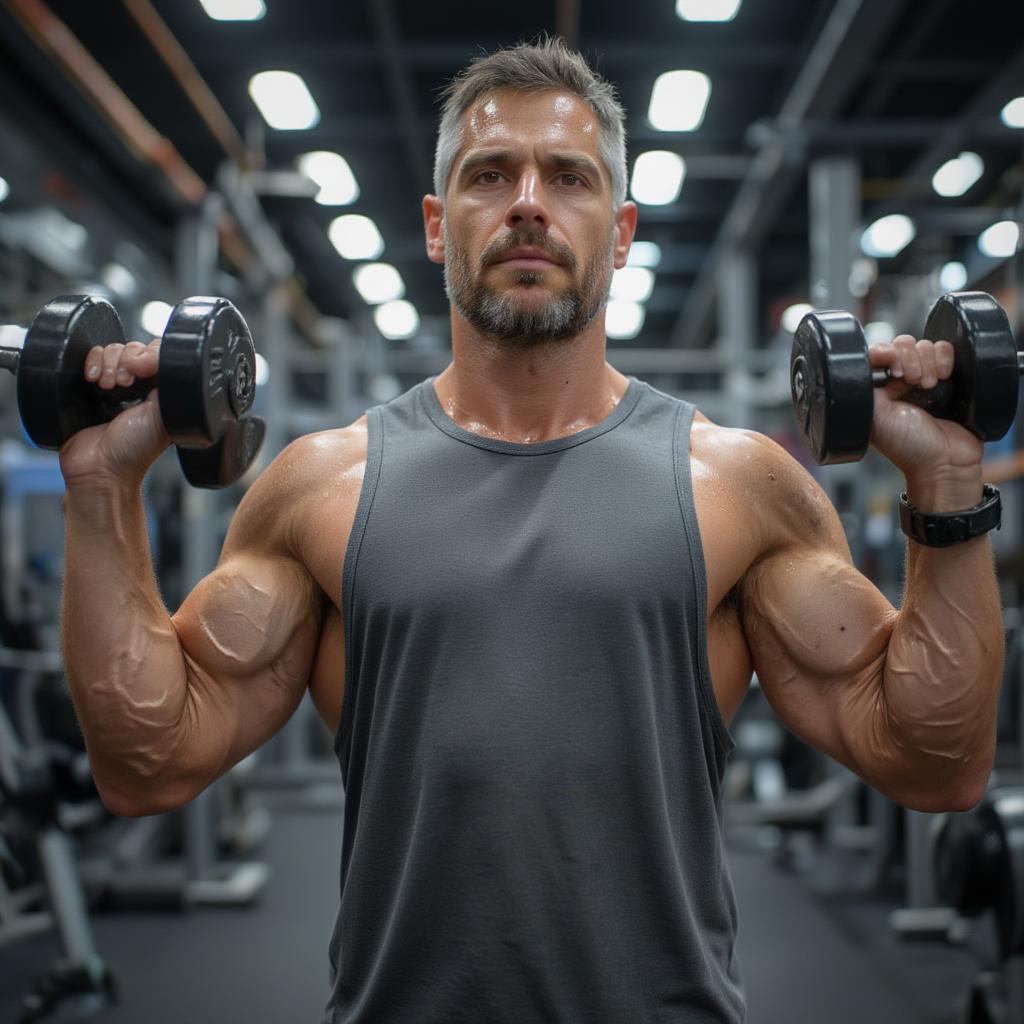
(528, 596)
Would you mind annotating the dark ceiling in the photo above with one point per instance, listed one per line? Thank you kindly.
(912, 83)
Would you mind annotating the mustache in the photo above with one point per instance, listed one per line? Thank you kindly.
(501, 247)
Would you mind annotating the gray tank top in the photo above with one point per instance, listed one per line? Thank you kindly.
(530, 744)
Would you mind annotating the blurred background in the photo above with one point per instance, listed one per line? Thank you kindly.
(865, 155)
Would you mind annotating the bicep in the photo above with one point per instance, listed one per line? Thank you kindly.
(818, 632)
(248, 634)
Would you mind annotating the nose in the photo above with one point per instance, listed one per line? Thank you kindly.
(527, 208)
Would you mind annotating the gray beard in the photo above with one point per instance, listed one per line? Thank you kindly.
(506, 319)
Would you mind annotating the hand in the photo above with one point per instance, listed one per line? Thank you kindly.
(123, 450)
(936, 456)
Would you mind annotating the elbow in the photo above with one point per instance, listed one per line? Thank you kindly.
(143, 804)
(942, 802)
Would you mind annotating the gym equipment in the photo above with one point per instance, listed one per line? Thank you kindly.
(206, 377)
(832, 381)
(979, 864)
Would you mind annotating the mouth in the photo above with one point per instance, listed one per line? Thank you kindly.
(527, 259)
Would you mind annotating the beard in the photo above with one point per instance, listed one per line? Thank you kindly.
(525, 322)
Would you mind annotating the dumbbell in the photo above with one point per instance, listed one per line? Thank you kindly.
(206, 376)
(832, 381)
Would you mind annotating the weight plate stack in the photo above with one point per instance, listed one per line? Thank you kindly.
(55, 400)
(207, 371)
(830, 383)
(985, 377)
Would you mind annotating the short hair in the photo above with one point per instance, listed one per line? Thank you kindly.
(532, 67)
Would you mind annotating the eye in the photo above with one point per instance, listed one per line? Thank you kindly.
(489, 177)
(570, 179)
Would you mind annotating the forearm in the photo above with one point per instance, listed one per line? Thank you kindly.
(944, 663)
(122, 656)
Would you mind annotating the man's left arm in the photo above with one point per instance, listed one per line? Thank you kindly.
(907, 699)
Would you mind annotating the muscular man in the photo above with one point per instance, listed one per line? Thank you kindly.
(528, 596)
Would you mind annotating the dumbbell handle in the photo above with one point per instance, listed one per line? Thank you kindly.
(11, 357)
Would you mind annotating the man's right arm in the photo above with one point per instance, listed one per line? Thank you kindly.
(167, 704)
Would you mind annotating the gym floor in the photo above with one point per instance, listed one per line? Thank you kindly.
(806, 959)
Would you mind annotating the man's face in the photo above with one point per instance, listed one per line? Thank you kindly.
(529, 233)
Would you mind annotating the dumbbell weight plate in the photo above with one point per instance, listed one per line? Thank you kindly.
(207, 371)
(985, 378)
(830, 383)
(225, 461)
(54, 398)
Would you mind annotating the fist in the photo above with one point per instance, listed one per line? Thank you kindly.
(122, 450)
(914, 440)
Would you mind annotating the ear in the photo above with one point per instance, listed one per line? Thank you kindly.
(625, 229)
(433, 228)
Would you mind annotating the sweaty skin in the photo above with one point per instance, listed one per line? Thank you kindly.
(906, 699)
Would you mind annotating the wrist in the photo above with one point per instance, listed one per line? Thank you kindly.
(947, 493)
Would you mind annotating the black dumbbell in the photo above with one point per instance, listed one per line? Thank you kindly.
(206, 376)
(832, 382)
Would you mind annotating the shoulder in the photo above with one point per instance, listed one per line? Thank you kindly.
(322, 467)
(781, 499)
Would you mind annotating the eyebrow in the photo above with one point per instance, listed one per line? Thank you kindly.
(563, 161)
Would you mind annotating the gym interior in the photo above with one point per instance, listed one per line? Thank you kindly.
(266, 162)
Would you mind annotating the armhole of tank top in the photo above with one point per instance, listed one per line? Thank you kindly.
(368, 489)
(688, 508)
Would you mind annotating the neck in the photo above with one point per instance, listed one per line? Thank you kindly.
(528, 394)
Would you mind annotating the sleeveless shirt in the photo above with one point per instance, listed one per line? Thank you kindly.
(530, 745)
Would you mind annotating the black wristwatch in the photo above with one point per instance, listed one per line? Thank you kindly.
(943, 529)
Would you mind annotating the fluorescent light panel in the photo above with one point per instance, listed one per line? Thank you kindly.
(5, 189)
(953, 276)
(284, 100)
(888, 236)
(956, 176)
(679, 100)
(1013, 113)
(1000, 240)
(396, 319)
(234, 10)
(355, 237)
(378, 282)
(338, 186)
(634, 284)
(792, 315)
(623, 319)
(154, 318)
(644, 254)
(707, 10)
(657, 177)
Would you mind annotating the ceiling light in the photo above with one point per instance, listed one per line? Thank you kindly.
(378, 282)
(154, 318)
(623, 319)
(644, 254)
(707, 10)
(657, 177)
(1000, 240)
(262, 370)
(355, 237)
(878, 332)
(5, 189)
(634, 284)
(1013, 113)
(396, 319)
(956, 176)
(678, 101)
(792, 315)
(332, 173)
(234, 10)
(888, 235)
(952, 277)
(120, 280)
(284, 100)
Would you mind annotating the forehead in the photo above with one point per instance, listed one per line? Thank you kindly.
(549, 118)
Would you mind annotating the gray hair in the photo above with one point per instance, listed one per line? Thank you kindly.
(532, 67)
